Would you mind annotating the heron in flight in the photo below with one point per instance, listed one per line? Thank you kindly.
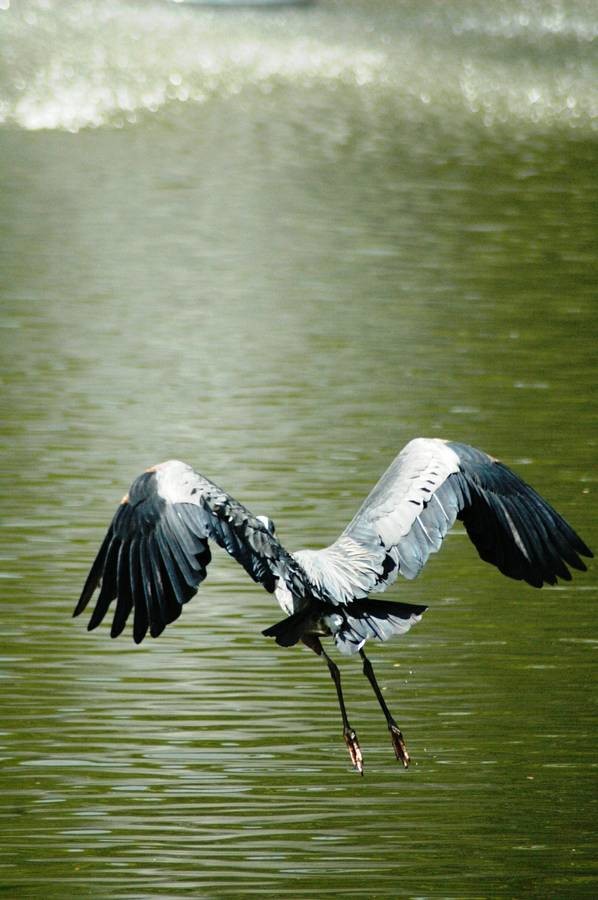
(156, 553)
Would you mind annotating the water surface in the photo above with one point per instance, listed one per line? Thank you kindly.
(278, 245)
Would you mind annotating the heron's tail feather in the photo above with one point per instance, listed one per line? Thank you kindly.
(289, 631)
(350, 625)
(377, 619)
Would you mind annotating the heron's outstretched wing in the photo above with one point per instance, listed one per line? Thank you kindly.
(155, 553)
(408, 513)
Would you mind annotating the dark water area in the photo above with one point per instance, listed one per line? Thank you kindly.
(278, 245)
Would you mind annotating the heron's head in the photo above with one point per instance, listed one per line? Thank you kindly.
(267, 523)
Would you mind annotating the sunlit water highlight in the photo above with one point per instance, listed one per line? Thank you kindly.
(75, 65)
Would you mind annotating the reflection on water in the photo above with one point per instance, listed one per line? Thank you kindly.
(356, 228)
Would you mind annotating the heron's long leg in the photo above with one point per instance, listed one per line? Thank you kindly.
(396, 735)
(313, 642)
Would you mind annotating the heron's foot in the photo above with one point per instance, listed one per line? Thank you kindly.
(398, 744)
(354, 749)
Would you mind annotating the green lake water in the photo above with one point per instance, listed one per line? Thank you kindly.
(278, 245)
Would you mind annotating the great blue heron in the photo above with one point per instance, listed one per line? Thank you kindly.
(156, 552)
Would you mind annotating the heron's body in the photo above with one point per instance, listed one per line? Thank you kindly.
(156, 551)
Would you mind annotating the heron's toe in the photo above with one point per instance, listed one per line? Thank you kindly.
(354, 749)
(398, 744)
